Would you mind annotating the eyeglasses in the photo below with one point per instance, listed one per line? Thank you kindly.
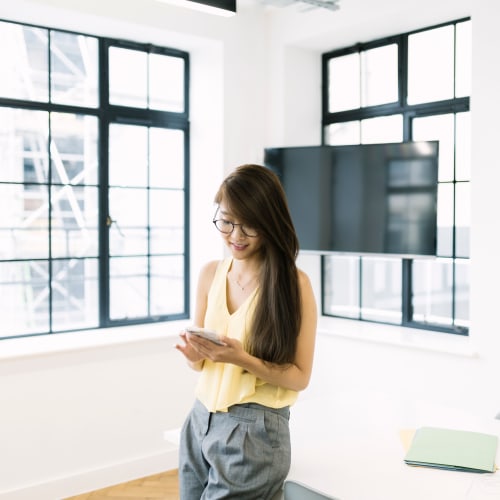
(227, 227)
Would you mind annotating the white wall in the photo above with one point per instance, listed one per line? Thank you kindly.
(84, 417)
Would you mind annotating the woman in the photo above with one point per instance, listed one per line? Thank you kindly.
(235, 442)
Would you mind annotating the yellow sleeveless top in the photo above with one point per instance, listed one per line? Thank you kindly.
(223, 384)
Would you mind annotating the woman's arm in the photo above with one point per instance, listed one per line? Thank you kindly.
(207, 273)
(294, 376)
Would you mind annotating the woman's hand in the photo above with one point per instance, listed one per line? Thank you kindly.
(188, 349)
(229, 352)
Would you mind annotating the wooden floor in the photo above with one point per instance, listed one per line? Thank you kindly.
(162, 486)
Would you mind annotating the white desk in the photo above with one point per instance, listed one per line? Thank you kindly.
(353, 450)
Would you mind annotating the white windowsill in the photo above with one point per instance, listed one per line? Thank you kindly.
(328, 327)
(397, 336)
(89, 339)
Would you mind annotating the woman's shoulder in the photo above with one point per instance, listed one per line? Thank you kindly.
(304, 280)
(209, 269)
(303, 276)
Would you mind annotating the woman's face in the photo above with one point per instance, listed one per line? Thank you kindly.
(243, 241)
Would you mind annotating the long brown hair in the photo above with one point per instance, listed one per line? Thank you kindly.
(256, 197)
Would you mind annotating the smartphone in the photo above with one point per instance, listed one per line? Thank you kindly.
(205, 333)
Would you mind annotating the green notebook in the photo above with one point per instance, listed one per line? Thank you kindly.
(453, 450)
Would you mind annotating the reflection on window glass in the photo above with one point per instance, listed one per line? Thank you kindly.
(74, 221)
(432, 291)
(73, 61)
(24, 222)
(166, 83)
(344, 83)
(166, 158)
(167, 287)
(128, 77)
(462, 219)
(74, 149)
(381, 292)
(431, 65)
(75, 297)
(445, 220)
(24, 60)
(128, 288)
(382, 129)
(164, 209)
(463, 147)
(343, 298)
(463, 59)
(343, 134)
(379, 75)
(462, 288)
(142, 80)
(129, 213)
(128, 154)
(24, 306)
(23, 145)
(438, 128)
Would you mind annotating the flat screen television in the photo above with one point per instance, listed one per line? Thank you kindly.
(363, 199)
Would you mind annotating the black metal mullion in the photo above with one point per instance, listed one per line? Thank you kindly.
(104, 278)
(49, 183)
(407, 287)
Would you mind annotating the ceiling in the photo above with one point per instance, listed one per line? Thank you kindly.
(304, 4)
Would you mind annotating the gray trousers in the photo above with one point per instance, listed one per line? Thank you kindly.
(243, 454)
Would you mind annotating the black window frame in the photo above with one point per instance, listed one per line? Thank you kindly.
(408, 113)
(108, 114)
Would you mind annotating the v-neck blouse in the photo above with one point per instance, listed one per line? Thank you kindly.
(222, 385)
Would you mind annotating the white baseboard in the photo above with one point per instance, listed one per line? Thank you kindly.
(90, 480)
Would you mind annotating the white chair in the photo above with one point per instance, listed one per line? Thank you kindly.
(298, 491)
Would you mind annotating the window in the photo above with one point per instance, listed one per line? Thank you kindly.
(414, 86)
(93, 186)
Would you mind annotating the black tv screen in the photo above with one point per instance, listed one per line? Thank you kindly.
(370, 198)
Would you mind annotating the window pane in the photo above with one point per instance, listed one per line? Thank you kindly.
(340, 134)
(128, 77)
(341, 286)
(75, 294)
(432, 291)
(166, 158)
(73, 69)
(128, 155)
(23, 145)
(129, 210)
(74, 149)
(463, 60)
(24, 221)
(128, 288)
(167, 221)
(438, 128)
(344, 83)
(167, 285)
(24, 307)
(24, 62)
(431, 65)
(74, 221)
(445, 220)
(462, 219)
(382, 129)
(381, 292)
(379, 75)
(462, 147)
(462, 288)
(166, 83)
